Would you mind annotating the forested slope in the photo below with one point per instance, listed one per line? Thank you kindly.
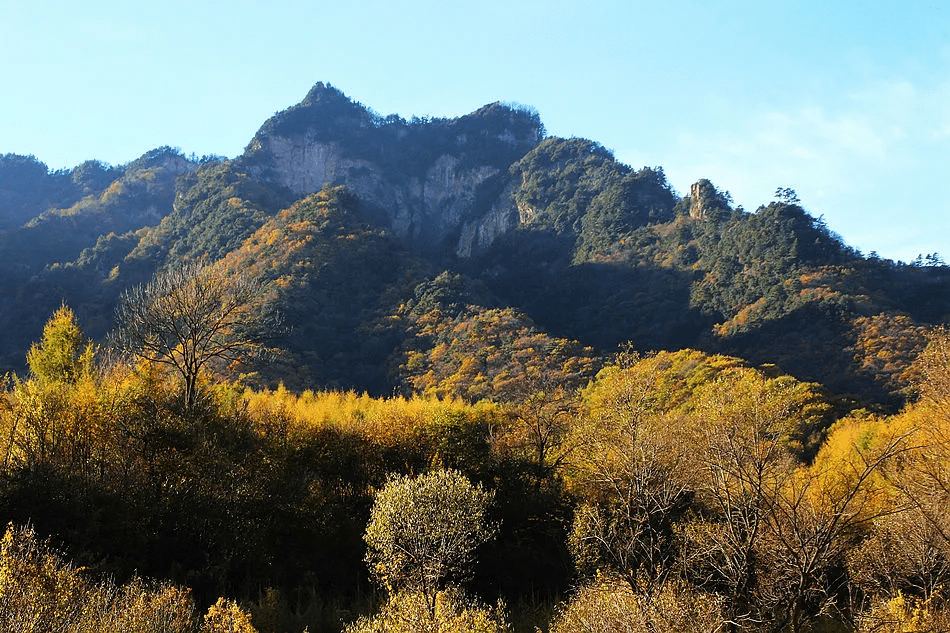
(585, 247)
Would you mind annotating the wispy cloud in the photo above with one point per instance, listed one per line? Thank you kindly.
(870, 161)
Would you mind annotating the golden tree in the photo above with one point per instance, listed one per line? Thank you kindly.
(424, 531)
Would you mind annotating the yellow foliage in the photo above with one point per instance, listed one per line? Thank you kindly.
(139, 606)
(116, 189)
(410, 612)
(273, 237)
(607, 606)
(225, 616)
(388, 422)
(656, 383)
(38, 590)
(855, 436)
(785, 410)
(901, 614)
(56, 422)
(62, 354)
(886, 345)
(490, 353)
(690, 398)
(41, 592)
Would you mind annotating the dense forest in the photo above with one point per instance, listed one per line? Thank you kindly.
(378, 374)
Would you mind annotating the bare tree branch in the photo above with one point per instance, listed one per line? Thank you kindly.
(192, 318)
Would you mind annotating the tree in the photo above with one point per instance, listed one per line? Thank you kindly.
(62, 354)
(50, 418)
(632, 470)
(909, 550)
(193, 317)
(810, 525)
(745, 460)
(639, 496)
(787, 195)
(775, 532)
(424, 530)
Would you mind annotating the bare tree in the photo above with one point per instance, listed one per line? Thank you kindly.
(904, 553)
(192, 318)
(785, 533)
(910, 551)
(745, 467)
(633, 466)
(540, 427)
(630, 531)
(773, 533)
(811, 525)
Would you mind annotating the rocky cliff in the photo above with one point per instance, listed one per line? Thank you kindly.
(436, 183)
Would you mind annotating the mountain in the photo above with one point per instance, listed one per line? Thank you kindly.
(394, 242)
(432, 182)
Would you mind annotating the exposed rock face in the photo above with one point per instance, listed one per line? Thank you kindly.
(430, 207)
(705, 201)
(175, 163)
(699, 199)
(302, 165)
(448, 195)
(481, 231)
(425, 178)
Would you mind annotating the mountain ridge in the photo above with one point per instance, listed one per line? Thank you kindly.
(443, 164)
(579, 245)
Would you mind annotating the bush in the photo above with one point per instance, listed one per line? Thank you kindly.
(226, 616)
(409, 612)
(608, 606)
(40, 592)
(904, 615)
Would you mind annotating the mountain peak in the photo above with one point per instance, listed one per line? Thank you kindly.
(322, 92)
(324, 113)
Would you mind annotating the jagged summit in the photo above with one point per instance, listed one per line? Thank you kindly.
(430, 181)
(322, 92)
(327, 114)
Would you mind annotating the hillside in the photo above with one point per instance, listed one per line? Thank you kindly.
(385, 235)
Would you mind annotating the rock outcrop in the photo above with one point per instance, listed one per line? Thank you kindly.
(706, 202)
(438, 183)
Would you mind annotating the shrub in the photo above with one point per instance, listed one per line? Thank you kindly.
(900, 614)
(226, 616)
(609, 606)
(409, 612)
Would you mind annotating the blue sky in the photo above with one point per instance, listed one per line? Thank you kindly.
(845, 102)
